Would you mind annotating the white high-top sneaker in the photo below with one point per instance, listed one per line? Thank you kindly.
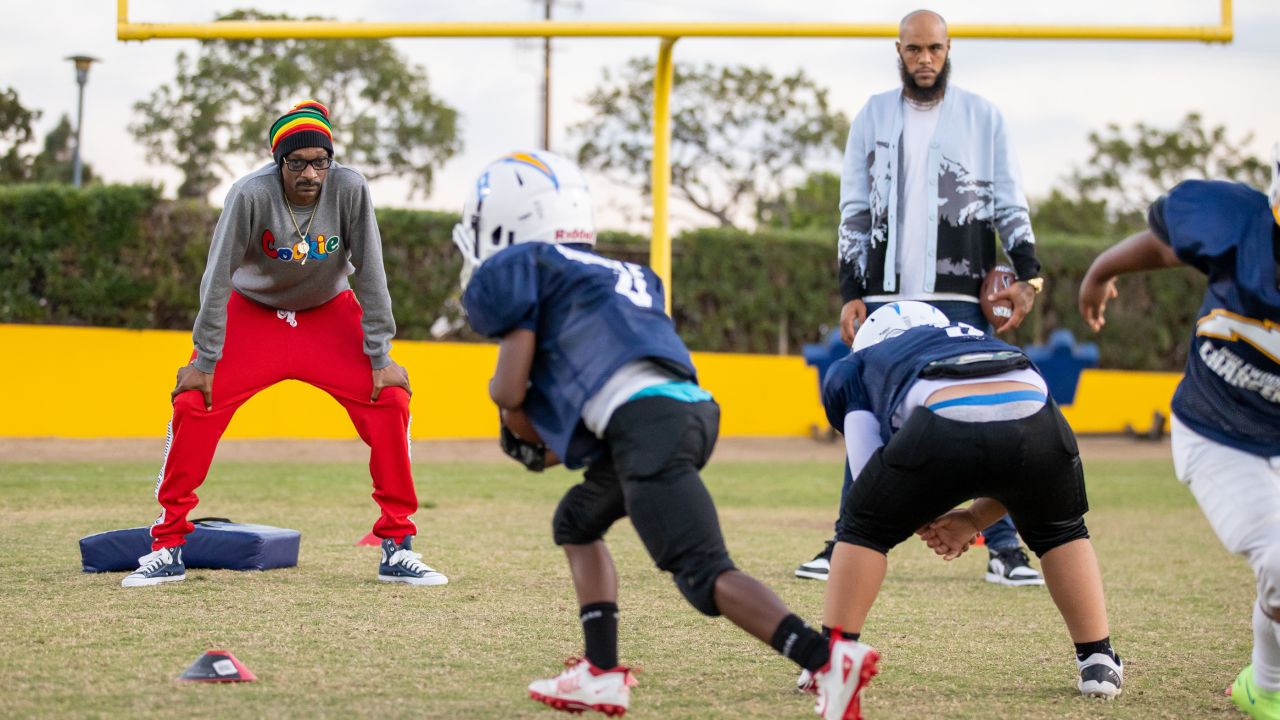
(583, 686)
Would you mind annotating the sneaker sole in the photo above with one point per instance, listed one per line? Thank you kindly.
(576, 707)
(811, 575)
(1102, 692)
(430, 580)
(995, 579)
(147, 582)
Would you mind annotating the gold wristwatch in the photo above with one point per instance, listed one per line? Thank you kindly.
(1036, 283)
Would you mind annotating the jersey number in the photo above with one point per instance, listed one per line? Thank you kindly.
(631, 285)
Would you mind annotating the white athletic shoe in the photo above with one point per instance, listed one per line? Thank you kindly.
(820, 566)
(840, 681)
(162, 566)
(1012, 567)
(583, 686)
(1100, 676)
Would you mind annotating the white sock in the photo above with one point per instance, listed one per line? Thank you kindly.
(1266, 651)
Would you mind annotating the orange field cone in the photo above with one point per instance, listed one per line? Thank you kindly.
(217, 666)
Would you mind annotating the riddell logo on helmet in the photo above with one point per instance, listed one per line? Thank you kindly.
(575, 236)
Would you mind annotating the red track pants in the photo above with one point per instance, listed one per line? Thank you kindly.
(323, 347)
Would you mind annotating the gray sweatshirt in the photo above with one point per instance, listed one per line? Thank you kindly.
(258, 252)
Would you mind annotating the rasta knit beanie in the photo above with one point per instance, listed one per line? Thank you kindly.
(306, 125)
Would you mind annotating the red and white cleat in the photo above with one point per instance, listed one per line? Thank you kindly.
(840, 681)
(583, 686)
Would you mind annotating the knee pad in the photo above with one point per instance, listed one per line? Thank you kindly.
(1045, 536)
(696, 579)
(585, 514)
(565, 529)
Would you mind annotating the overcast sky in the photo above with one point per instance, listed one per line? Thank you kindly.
(1051, 92)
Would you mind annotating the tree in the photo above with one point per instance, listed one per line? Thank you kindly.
(812, 205)
(55, 162)
(221, 104)
(15, 131)
(52, 164)
(1128, 169)
(738, 134)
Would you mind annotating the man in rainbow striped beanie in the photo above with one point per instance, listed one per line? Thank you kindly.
(297, 243)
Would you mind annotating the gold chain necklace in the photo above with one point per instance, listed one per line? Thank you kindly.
(301, 235)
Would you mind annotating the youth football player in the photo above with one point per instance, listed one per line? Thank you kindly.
(937, 413)
(1226, 411)
(591, 372)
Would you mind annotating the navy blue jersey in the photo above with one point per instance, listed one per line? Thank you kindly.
(1231, 391)
(591, 316)
(878, 378)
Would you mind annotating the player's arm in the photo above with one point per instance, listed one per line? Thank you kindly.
(861, 439)
(507, 388)
(954, 532)
(511, 377)
(1136, 253)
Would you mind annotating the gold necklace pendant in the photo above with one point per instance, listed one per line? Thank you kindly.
(301, 235)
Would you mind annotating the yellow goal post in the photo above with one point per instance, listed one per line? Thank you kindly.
(667, 34)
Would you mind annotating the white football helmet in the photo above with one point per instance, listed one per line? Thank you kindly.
(1275, 182)
(523, 197)
(894, 319)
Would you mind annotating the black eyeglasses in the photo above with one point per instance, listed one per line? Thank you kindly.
(296, 165)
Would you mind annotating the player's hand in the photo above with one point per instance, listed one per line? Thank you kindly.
(1094, 295)
(852, 315)
(1023, 298)
(392, 375)
(189, 378)
(951, 534)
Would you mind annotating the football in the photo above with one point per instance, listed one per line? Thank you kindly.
(518, 423)
(998, 312)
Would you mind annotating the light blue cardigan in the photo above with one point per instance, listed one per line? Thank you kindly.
(977, 194)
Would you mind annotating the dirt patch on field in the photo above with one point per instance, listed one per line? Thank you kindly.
(316, 451)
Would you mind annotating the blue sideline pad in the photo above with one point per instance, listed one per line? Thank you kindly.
(215, 544)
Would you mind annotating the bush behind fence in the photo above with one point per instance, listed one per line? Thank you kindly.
(121, 256)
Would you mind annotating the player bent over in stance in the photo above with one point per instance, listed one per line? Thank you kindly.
(934, 414)
(590, 364)
(1226, 411)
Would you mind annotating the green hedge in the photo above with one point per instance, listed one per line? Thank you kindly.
(121, 256)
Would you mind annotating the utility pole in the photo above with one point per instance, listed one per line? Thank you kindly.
(547, 6)
(82, 76)
(546, 79)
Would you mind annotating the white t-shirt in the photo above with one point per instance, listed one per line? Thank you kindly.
(913, 222)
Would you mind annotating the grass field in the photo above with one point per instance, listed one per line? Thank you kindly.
(327, 640)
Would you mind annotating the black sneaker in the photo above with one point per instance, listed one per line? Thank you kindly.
(1011, 567)
(820, 566)
(162, 566)
(400, 564)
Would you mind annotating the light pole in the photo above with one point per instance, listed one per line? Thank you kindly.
(82, 76)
